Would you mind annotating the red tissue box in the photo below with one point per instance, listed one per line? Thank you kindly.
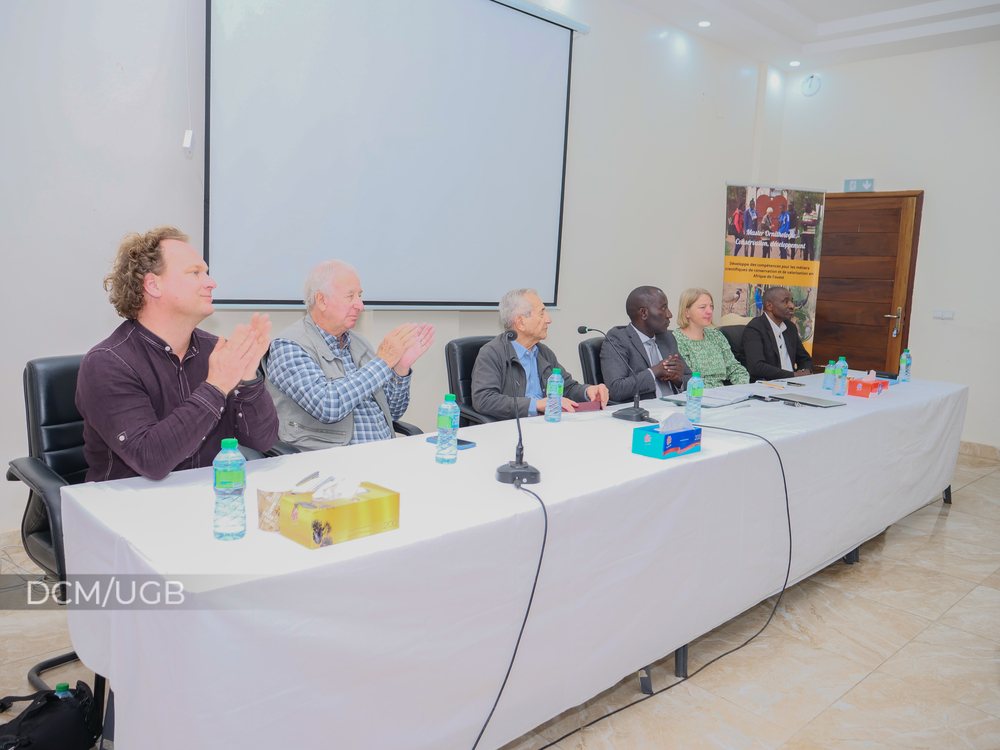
(866, 388)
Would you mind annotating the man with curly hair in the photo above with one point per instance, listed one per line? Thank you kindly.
(160, 394)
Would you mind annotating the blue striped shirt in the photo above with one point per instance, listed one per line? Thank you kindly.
(299, 376)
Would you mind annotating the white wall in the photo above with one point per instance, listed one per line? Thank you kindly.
(97, 103)
(927, 121)
(94, 109)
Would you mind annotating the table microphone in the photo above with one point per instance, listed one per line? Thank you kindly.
(633, 413)
(516, 471)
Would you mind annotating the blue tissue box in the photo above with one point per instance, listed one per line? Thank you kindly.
(649, 441)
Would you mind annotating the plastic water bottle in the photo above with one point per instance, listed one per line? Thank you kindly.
(447, 442)
(553, 396)
(828, 376)
(905, 362)
(62, 691)
(840, 378)
(692, 404)
(230, 480)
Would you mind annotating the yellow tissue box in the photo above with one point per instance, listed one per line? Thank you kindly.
(320, 523)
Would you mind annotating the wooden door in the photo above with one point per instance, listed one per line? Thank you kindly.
(867, 259)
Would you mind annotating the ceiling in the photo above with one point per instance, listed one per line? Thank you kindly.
(828, 32)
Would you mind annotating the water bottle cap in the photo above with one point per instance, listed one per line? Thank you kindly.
(62, 687)
(557, 371)
(842, 359)
(831, 361)
(230, 442)
(695, 374)
(450, 397)
(905, 350)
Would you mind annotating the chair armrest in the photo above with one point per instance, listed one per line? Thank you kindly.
(474, 416)
(281, 449)
(405, 428)
(39, 478)
(46, 484)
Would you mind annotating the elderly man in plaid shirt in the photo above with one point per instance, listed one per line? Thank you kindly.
(329, 385)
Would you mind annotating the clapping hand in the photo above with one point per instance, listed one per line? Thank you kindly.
(421, 342)
(260, 330)
(395, 344)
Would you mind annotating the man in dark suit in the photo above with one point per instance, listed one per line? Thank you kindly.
(771, 343)
(654, 368)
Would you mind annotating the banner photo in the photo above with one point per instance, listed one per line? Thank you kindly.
(774, 237)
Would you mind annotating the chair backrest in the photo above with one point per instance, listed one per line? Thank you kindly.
(590, 360)
(460, 357)
(55, 427)
(55, 437)
(734, 335)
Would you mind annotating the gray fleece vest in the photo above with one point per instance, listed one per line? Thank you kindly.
(298, 427)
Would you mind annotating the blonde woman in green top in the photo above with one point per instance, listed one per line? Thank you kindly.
(702, 346)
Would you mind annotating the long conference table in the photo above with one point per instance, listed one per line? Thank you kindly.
(402, 640)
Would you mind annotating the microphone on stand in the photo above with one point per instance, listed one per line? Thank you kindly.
(633, 413)
(516, 472)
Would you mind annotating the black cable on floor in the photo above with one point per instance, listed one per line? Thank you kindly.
(545, 535)
(788, 570)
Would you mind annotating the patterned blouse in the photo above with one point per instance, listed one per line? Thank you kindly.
(712, 357)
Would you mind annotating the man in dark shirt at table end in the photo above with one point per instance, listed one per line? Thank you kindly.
(160, 394)
(771, 344)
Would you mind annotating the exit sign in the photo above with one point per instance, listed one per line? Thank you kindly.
(859, 186)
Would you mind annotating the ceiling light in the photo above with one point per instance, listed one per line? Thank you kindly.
(795, 63)
(704, 24)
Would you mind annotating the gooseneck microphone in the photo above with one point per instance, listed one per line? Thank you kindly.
(517, 471)
(633, 413)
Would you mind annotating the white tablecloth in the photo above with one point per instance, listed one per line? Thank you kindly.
(401, 640)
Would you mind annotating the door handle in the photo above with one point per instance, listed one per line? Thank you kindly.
(898, 317)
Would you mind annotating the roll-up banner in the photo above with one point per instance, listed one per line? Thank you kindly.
(773, 238)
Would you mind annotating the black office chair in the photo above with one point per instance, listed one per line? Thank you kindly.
(55, 459)
(734, 335)
(590, 360)
(460, 357)
(400, 428)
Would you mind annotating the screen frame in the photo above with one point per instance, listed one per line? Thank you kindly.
(381, 304)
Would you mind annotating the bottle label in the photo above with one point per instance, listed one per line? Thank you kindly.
(555, 389)
(445, 422)
(229, 480)
(696, 392)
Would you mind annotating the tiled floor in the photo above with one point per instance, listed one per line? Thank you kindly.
(900, 651)
(27, 638)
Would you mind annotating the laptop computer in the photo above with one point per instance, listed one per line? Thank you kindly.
(822, 403)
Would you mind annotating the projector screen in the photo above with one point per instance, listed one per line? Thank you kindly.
(422, 141)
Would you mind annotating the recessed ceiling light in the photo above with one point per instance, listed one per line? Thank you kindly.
(795, 63)
(704, 24)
